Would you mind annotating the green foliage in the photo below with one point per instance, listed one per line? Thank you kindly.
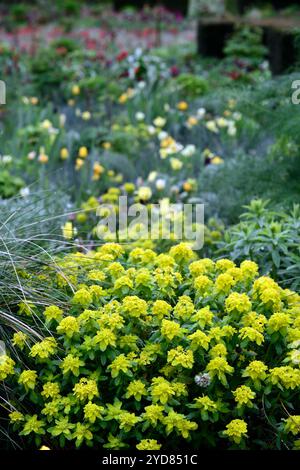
(46, 71)
(19, 13)
(149, 351)
(227, 188)
(269, 237)
(69, 7)
(246, 43)
(10, 185)
(191, 85)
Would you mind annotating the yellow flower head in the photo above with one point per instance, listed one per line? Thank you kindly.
(50, 390)
(120, 364)
(161, 309)
(179, 357)
(219, 367)
(68, 230)
(251, 334)
(71, 364)
(92, 412)
(19, 339)
(182, 106)
(136, 389)
(68, 326)
(75, 90)
(44, 349)
(249, 269)
(170, 329)
(292, 425)
(133, 306)
(236, 430)
(86, 389)
(285, 377)
(204, 317)
(82, 297)
(199, 340)
(104, 338)
(83, 152)
(205, 404)
(148, 444)
(184, 308)
(279, 322)
(6, 366)
(16, 417)
(161, 390)
(64, 153)
(236, 302)
(202, 284)
(224, 282)
(243, 395)
(28, 379)
(256, 371)
(53, 313)
(144, 193)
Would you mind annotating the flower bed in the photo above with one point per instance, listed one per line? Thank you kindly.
(147, 346)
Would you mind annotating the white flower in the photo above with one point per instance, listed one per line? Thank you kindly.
(231, 130)
(138, 52)
(189, 150)
(7, 158)
(53, 131)
(203, 380)
(152, 176)
(151, 130)
(201, 112)
(222, 122)
(86, 116)
(211, 126)
(46, 124)
(159, 121)
(24, 192)
(178, 147)
(62, 120)
(141, 85)
(237, 116)
(265, 65)
(31, 155)
(162, 135)
(139, 116)
(160, 184)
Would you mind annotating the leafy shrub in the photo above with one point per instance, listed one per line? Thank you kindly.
(147, 347)
(246, 177)
(10, 185)
(270, 238)
(246, 43)
(69, 7)
(19, 13)
(191, 85)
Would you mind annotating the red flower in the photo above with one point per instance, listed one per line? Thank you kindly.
(61, 50)
(122, 56)
(234, 75)
(124, 74)
(174, 71)
(91, 44)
